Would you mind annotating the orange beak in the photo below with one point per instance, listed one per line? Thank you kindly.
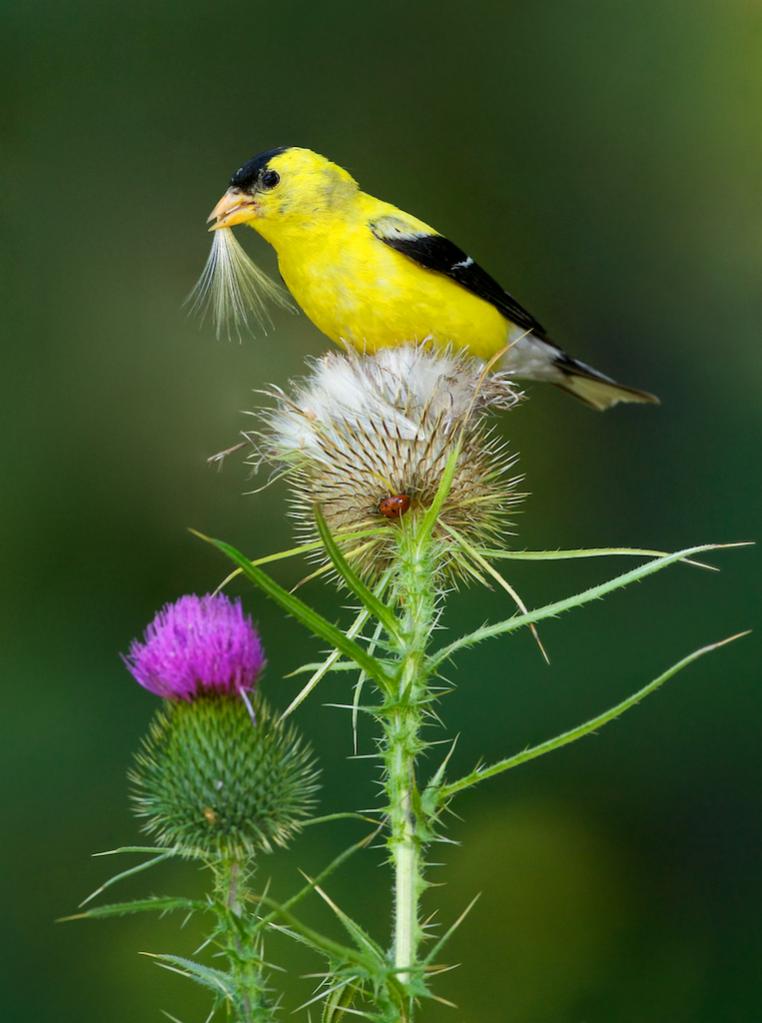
(234, 207)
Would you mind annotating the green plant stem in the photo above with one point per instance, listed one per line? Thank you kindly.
(404, 843)
(403, 718)
(238, 941)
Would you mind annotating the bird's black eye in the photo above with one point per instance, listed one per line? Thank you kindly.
(269, 179)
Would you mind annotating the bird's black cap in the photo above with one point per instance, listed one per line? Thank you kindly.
(247, 175)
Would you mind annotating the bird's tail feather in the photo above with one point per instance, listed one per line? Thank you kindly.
(530, 357)
(594, 388)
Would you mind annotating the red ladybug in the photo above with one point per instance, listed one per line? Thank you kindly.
(394, 506)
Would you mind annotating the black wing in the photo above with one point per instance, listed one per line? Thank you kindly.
(434, 252)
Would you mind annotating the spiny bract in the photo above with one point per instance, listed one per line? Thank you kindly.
(211, 782)
(366, 439)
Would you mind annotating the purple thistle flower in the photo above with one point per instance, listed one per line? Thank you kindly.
(198, 644)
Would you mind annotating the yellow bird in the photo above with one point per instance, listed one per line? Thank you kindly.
(371, 276)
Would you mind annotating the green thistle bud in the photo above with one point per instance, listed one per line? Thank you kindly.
(214, 783)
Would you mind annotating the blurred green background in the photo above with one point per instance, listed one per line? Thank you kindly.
(602, 159)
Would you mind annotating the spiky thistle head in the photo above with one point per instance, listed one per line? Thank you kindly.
(213, 781)
(366, 438)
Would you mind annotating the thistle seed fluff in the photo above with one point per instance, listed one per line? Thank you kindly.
(233, 288)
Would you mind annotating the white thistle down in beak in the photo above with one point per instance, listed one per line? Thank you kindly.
(366, 439)
(234, 289)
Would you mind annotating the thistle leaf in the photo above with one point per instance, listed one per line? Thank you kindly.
(359, 684)
(131, 849)
(316, 941)
(310, 618)
(321, 670)
(305, 548)
(358, 934)
(326, 872)
(568, 603)
(588, 552)
(451, 930)
(492, 571)
(482, 773)
(370, 600)
(303, 669)
(154, 904)
(146, 865)
(432, 514)
(215, 980)
(337, 1001)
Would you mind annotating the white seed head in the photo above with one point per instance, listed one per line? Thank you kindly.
(366, 439)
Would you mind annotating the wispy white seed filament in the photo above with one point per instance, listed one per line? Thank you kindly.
(233, 289)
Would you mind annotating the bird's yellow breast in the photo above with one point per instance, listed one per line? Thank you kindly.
(358, 290)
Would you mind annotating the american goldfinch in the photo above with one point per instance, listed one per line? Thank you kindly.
(371, 276)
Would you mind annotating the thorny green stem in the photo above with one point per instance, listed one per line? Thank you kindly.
(402, 720)
(251, 1005)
